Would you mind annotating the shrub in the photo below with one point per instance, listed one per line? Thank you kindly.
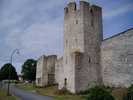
(129, 95)
(107, 88)
(99, 93)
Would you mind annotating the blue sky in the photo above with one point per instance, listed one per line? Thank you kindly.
(36, 26)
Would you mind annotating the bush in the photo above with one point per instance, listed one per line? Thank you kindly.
(99, 93)
(129, 95)
(107, 88)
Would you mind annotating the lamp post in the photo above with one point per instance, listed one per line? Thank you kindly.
(9, 77)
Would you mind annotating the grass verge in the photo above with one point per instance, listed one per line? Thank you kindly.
(118, 93)
(51, 91)
(3, 96)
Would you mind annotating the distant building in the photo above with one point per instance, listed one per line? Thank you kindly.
(20, 78)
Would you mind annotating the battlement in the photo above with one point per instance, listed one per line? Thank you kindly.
(96, 8)
(83, 6)
(47, 57)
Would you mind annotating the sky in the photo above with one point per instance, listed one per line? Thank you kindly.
(35, 27)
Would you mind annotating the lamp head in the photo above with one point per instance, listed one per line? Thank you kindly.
(18, 52)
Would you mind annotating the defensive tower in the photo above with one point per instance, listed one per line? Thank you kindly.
(82, 40)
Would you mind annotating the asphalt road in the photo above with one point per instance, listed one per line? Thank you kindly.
(24, 95)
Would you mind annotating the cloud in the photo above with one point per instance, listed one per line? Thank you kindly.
(118, 11)
(42, 38)
(44, 34)
(34, 27)
(38, 38)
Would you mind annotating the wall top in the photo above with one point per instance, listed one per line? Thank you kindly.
(72, 1)
(83, 5)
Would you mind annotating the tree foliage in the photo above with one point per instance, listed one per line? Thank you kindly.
(7, 70)
(1, 76)
(29, 70)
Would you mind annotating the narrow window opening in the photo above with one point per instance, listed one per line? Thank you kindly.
(39, 80)
(66, 42)
(76, 41)
(92, 17)
(66, 60)
(76, 21)
(89, 60)
(65, 82)
(77, 58)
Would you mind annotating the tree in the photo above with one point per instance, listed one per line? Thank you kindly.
(29, 70)
(7, 70)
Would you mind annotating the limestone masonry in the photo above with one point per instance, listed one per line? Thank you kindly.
(46, 70)
(88, 60)
(117, 60)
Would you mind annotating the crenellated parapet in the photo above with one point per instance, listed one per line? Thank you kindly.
(84, 6)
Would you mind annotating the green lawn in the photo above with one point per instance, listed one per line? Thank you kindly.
(3, 96)
(51, 91)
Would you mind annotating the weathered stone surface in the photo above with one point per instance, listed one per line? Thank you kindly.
(117, 60)
(41, 76)
(59, 72)
(88, 59)
(45, 74)
(82, 40)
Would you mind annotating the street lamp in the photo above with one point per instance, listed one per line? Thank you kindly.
(9, 77)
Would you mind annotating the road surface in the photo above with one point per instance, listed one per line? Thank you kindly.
(24, 95)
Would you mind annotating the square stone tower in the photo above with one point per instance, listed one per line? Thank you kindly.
(45, 73)
(82, 41)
